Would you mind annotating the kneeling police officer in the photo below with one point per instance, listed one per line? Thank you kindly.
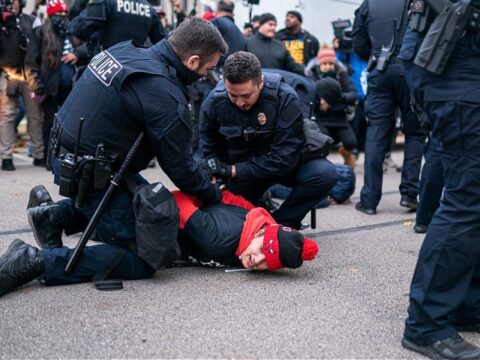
(251, 132)
(125, 91)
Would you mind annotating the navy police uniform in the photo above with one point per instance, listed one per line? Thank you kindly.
(231, 34)
(445, 291)
(117, 21)
(377, 24)
(124, 91)
(200, 90)
(264, 145)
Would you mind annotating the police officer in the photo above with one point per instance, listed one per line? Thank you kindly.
(235, 40)
(113, 21)
(445, 292)
(19, 75)
(123, 92)
(225, 23)
(377, 34)
(251, 130)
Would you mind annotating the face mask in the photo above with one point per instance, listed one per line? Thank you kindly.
(59, 25)
(331, 73)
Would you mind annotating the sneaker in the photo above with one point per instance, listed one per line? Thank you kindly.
(39, 196)
(7, 165)
(453, 347)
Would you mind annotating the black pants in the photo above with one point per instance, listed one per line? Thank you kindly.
(341, 133)
(50, 106)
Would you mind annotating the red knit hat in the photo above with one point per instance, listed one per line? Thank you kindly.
(208, 15)
(54, 6)
(326, 55)
(286, 247)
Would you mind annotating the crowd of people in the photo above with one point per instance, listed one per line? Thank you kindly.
(266, 106)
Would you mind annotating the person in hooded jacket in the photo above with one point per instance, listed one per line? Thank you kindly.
(336, 94)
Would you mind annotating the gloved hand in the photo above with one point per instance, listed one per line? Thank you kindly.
(38, 95)
(219, 169)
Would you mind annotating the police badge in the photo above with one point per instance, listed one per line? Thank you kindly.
(262, 119)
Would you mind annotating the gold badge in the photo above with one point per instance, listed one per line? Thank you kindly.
(262, 119)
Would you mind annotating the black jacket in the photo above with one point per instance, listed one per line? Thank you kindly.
(335, 115)
(375, 23)
(277, 117)
(129, 90)
(231, 34)
(310, 42)
(51, 74)
(272, 54)
(19, 51)
(137, 21)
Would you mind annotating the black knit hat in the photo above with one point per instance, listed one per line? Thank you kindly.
(286, 247)
(267, 17)
(330, 90)
(297, 14)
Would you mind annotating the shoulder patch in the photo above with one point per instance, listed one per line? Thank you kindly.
(105, 67)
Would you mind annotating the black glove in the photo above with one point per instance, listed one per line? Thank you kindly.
(219, 169)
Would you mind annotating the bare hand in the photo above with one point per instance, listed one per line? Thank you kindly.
(324, 106)
(69, 58)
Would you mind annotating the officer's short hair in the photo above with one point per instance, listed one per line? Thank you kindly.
(226, 5)
(196, 36)
(241, 67)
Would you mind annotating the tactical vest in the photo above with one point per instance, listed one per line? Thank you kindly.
(385, 18)
(97, 98)
(248, 133)
(303, 86)
(131, 20)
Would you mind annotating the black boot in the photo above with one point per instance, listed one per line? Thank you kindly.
(20, 264)
(46, 228)
(39, 196)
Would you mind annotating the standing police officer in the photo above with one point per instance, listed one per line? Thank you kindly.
(377, 33)
(251, 130)
(116, 21)
(124, 91)
(445, 290)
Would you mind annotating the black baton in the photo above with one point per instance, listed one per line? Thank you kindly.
(98, 212)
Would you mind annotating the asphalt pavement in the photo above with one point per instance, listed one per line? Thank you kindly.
(350, 302)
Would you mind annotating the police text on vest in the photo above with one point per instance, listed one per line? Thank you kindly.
(134, 8)
(104, 66)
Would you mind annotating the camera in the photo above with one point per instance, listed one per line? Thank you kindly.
(342, 30)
